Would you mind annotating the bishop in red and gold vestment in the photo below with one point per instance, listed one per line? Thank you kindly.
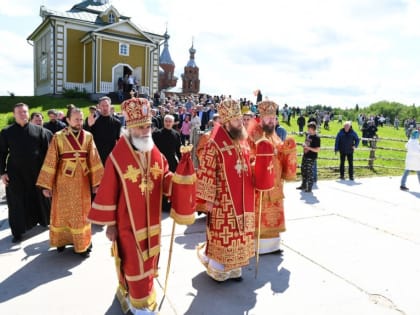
(225, 190)
(284, 167)
(128, 201)
(71, 170)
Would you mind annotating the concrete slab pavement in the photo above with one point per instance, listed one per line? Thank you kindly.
(350, 248)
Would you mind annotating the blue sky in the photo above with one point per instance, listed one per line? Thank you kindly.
(300, 52)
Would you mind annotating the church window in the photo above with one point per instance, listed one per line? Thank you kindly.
(124, 49)
(111, 18)
(43, 73)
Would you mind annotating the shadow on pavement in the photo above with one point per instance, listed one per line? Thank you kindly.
(114, 308)
(13, 247)
(309, 198)
(240, 296)
(47, 266)
(198, 228)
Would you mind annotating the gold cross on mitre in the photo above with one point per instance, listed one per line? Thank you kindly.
(132, 173)
(76, 155)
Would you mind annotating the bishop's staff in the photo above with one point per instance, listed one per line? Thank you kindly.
(264, 181)
(182, 201)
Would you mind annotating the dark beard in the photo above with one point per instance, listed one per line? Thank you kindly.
(268, 129)
(237, 133)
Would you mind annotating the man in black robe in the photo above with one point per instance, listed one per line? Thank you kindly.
(106, 128)
(22, 150)
(168, 141)
(54, 124)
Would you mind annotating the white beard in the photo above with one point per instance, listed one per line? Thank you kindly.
(143, 144)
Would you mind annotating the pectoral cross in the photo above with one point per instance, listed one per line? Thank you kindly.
(146, 185)
(238, 167)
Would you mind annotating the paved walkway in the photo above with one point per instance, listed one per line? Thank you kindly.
(350, 248)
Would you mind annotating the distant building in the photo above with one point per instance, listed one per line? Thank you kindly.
(167, 78)
(191, 76)
(90, 47)
(190, 84)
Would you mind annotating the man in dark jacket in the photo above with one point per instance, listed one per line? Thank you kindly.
(301, 123)
(105, 128)
(168, 141)
(346, 142)
(54, 124)
(22, 150)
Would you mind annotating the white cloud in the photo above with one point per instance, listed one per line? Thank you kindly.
(298, 52)
(16, 65)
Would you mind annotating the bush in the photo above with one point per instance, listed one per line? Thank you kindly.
(75, 93)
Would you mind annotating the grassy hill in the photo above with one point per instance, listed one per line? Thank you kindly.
(38, 104)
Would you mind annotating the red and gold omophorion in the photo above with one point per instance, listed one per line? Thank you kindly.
(225, 180)
(284, 167)
(71, 168)
(130, 198)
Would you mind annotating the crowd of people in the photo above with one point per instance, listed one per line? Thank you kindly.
(228, 159)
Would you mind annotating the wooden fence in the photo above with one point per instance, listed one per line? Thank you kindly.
(377, 155)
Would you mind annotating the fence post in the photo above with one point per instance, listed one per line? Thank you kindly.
(372, 152)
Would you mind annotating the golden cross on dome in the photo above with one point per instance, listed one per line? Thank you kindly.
(155, 170)
(132, 173)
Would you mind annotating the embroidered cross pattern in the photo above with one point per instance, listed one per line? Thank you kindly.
(132, 173)
(227, 148)
(155, 171)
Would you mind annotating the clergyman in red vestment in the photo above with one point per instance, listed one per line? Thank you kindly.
(225, 191)
(128, 201)
(284, 168)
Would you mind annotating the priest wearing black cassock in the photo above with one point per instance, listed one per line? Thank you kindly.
(106, 128)
(22, 150)
(168, 141)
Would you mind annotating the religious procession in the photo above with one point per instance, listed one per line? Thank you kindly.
(125, 173)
